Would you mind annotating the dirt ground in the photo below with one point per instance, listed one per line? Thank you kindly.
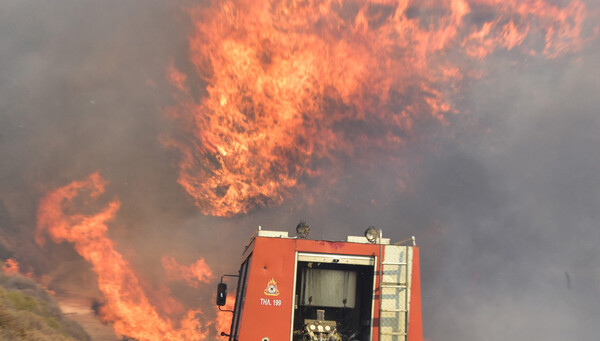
(80, 310)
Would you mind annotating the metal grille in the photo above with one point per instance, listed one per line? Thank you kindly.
(394, 286)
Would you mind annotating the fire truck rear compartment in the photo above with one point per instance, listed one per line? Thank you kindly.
(334, 295)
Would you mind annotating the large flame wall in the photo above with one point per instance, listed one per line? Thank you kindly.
(293, 83)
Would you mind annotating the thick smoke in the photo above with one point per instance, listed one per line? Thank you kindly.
(503, 200)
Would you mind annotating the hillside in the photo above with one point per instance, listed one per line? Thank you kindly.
(27, 312)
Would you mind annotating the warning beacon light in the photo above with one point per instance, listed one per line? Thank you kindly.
(302, 230)
(371, 234)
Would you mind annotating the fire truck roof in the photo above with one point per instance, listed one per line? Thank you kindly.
(284, 234)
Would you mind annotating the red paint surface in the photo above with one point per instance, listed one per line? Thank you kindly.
(415, 321)
(272, 258)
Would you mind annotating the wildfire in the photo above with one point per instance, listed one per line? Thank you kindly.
(223, 323)
(293, 87)
(193, 274)
(127, 306)
(10, 267)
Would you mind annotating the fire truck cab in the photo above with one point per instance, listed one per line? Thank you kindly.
(293, 288)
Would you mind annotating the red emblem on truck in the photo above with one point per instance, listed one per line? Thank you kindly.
(271, 289)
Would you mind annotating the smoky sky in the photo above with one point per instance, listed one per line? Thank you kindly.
(504, 199)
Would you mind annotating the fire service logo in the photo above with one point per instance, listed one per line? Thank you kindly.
(271, 289)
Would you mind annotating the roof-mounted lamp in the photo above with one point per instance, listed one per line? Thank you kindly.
(302, 230)
(371, 234)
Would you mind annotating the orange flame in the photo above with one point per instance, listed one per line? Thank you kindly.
(10, 267)
(127, 307)
(223, 323)
(293, 87)
(193, 274)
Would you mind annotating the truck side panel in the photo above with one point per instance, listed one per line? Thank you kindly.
(269, 296)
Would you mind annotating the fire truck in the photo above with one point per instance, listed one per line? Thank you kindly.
(294, 288)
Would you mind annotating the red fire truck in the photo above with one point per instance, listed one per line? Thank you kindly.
(294, 288)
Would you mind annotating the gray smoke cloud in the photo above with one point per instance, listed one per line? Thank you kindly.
(504, 200)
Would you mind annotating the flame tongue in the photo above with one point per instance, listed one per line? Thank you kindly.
(126, 304)
(295, 85)
(10, 267)
(193, 274)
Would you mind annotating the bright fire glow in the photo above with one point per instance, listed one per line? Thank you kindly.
(223, 323)
(127, 306)
(293, 87)
(193, 274)
(10, 267)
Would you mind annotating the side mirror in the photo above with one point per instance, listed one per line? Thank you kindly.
(221, 294)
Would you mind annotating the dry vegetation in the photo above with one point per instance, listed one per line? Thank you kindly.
(27, 312)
